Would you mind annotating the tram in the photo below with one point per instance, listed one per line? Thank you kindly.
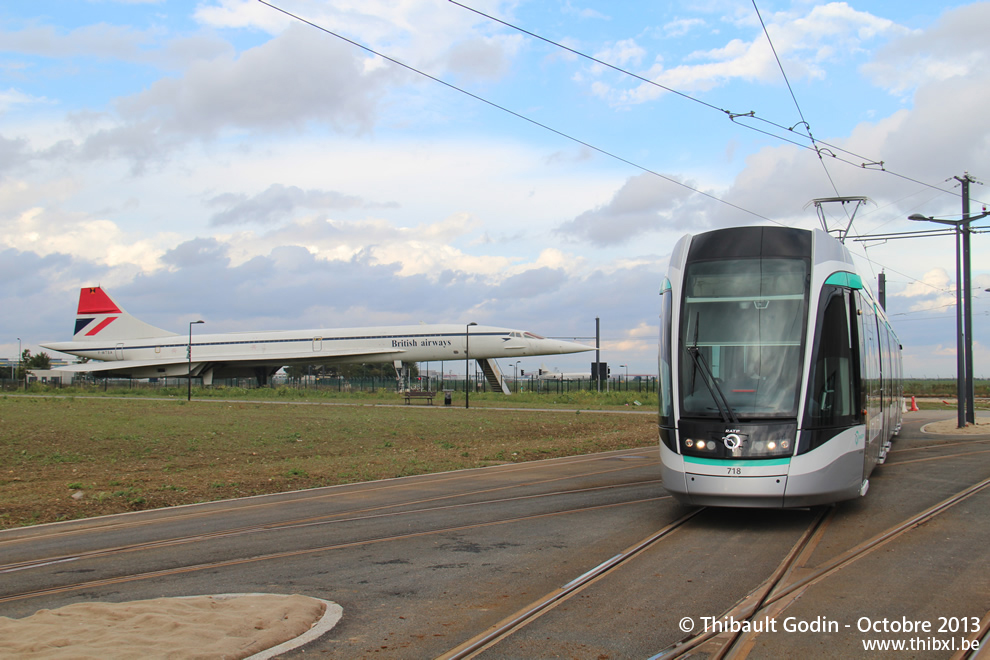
(780, 376)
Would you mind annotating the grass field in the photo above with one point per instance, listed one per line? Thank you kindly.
(73, 457)
(65, 456)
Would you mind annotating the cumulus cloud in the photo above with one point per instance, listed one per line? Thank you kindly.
(537, 281)
(98, 40)
(195, 253)
(826, 32)
(934, 292)
(482, 58)
(299, 76)
(681, 26)
(13, 97)
(298, 79)
(644, 204)
(277, 203)
(13, 153)
(99, 240)
(252, 186)
(955, 47)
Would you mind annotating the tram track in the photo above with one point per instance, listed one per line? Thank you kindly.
(509, 625)
(206, 512)
(897, 454)
(787, 583)
(426, 512)
(338, 518)
(597, 480)
(203, 510)
(89, 584)
(781, 593)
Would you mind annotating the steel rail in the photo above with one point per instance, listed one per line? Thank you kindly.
(982, 636)
(100, 525)
(785, 595)
(179, 570)
(512, 623)
(958, 443)
(748, 607)
(296, 524)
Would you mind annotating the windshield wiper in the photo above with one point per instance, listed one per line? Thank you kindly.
(724, 409)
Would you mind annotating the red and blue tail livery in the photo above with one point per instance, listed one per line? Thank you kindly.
(96, 311)
(99, 318)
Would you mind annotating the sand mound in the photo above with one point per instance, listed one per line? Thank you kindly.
(951, 427)
(224, 626)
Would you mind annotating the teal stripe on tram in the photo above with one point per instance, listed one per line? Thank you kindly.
(848, 280)
(756, 462)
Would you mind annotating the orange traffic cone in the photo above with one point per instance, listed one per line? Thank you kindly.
(914, 406)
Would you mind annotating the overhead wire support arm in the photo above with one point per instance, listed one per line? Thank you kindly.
(930, 233)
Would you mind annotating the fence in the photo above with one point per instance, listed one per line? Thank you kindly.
(547, 386)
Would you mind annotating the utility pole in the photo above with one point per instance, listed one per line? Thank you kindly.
(965, 408)
(965, 180)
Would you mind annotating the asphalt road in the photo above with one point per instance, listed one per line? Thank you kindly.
(421, 565)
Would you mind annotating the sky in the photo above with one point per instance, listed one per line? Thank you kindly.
(515, 163)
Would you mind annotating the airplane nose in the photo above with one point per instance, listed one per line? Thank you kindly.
(571, 347)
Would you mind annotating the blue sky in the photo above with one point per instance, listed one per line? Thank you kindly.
(220, 160)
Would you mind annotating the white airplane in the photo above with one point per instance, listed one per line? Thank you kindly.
(130, 348)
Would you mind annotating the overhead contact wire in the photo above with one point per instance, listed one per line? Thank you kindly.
(520, 116)
(830, 150)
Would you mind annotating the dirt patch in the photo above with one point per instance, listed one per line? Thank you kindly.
(951, 427)
(225, 626)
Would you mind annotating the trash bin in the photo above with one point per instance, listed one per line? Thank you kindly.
(446, 398)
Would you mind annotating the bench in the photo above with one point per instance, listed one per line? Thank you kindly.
(409, 395)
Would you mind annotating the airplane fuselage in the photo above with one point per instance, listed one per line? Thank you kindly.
(126, 346)
(235, 354)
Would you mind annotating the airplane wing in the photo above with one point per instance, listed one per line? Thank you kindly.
(180, 366)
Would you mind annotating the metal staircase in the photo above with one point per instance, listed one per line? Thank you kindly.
(494, 376)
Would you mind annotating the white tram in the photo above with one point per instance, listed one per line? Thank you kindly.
(780, 376)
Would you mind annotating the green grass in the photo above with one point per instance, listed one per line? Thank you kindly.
(71, 457)
(572, 398)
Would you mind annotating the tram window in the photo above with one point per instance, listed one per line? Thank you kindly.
(745, 318)
(831, 397)
(666, 374)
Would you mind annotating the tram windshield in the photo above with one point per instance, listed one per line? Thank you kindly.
(741, 336)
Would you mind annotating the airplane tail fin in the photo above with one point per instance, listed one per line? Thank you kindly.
(99, 318)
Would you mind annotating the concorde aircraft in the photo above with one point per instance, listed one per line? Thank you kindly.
(130, 348)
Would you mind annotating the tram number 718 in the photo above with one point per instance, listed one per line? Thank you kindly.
(734, 471)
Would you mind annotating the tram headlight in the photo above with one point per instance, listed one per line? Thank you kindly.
(700, 446)
(774, 447)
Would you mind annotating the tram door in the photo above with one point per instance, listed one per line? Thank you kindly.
(871, 380)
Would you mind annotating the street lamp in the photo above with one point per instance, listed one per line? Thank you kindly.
(189, 359)
(964, 329)
(515, 377)
(467, 364)
(627, 375)
(19, 354)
